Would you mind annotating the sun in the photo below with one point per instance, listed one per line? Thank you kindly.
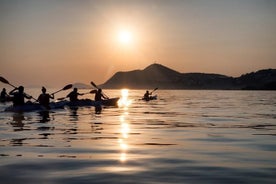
(125, 37)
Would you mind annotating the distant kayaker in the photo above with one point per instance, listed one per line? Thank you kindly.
(44, 98)
(19, 96)
(147, 95)
(73, 95)
(4, 95)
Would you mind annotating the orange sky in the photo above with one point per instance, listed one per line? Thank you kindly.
(56, 42)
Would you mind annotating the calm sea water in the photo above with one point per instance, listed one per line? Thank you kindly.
(185, 136)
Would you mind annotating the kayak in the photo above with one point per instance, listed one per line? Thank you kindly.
(29, 106)
(61, 104)
(110, 102)
(88, 102)
(4, 100)
(150, 98)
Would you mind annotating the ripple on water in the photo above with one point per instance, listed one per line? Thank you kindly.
(186, 137)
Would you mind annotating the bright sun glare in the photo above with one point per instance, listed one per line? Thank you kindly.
(125, 37)
(124, 100)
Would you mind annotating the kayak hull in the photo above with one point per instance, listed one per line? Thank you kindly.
(61, 104)
(150, 98)
(4, 100)
(88, 102)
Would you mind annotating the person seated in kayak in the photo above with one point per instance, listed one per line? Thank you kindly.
(99, 95)
(19, 96)
(73, 95)
(44, 98)
(4, 95)
(147, 95)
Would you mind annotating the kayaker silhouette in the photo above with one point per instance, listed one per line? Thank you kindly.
(4, 95)
(73, 95)
(44, 98)
(19, 96)
(99, 95)
(147, 95)
(98, 98)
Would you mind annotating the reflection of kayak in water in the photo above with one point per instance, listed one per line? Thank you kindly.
(150, 98)
(25, 108)
(61, 104)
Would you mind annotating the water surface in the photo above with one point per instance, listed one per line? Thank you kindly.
(185, 136)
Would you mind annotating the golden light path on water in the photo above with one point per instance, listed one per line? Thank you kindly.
(124, 130)
(124, 101)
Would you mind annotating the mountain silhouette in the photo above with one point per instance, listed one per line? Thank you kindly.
(157, 75)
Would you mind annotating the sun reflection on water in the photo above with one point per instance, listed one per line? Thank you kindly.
(124, 128)
(124, 101)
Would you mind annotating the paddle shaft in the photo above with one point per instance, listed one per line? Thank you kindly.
(11, 85)
(57, 91)
(64, 88)
(153, 90)
(62, 98)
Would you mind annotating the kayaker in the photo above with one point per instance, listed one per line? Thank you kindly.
(73, 95)
(44, 98)
(19, 96)
(4, 95)
(98, 98)
(147, 95)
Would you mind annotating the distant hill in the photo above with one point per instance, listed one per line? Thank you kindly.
(81, 86)
(260, 80)
(157, 75)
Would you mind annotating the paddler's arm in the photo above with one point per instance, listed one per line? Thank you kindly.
(80, 94)
(27, 96)
(12, 91)
(52, 96)
(104, 96)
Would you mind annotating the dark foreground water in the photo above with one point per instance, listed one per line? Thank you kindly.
(183, 137)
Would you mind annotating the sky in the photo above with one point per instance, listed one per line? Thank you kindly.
(56, 42)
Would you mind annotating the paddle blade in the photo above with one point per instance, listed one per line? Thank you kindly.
(2, 79)
(93, 91)
(67, 87)
(153, 90)
(93, 84)
(62, 98)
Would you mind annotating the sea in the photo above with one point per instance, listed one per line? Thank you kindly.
(185, 136)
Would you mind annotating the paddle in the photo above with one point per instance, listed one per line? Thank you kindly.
(2, 79)
(64, 88)
(92, 91)
(62, 98)
(93, 84)
(153, 90)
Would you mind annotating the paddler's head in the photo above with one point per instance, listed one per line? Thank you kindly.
(21, 89)
(43, 89)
